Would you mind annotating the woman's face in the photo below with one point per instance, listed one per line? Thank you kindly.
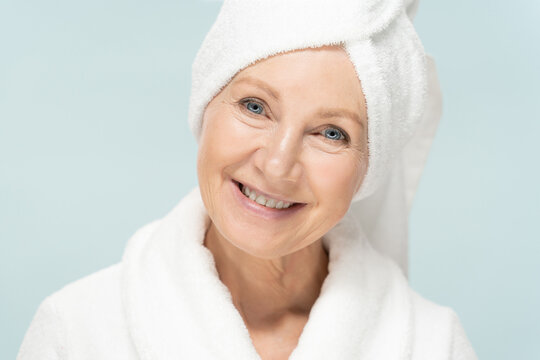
(292, 129)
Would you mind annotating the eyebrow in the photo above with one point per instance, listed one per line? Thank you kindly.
(260, 84)
(332, 113)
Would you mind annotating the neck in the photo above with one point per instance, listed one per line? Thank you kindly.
(266, 290)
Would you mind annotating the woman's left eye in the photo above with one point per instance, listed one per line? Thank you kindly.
(254, 107)
(334, 134)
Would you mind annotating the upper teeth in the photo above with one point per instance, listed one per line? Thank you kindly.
(263, 200)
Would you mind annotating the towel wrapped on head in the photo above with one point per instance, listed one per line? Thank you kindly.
(381, 42)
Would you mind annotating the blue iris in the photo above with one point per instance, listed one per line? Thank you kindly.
(254, 107)
(333, 134)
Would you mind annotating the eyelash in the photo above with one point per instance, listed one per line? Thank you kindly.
(341, 131)
(245, 101)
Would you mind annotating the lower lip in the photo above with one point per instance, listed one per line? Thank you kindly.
(262, 211)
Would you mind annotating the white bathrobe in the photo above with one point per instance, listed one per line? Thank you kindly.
(165, 301)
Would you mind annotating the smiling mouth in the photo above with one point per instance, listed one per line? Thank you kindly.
(265, 200)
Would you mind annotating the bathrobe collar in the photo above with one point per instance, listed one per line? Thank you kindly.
(177, 308)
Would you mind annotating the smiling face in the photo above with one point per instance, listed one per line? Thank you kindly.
(293, 129)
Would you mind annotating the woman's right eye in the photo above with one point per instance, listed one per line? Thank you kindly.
(253, 106)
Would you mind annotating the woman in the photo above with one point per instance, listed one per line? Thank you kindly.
(297, 117)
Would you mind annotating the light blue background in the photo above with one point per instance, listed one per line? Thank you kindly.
(94, 143)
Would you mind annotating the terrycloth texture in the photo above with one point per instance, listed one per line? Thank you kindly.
(165, 301)
(384, 215)
(389, 59)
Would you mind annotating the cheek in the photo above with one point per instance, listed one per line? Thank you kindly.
(334, 179)
(225, 143)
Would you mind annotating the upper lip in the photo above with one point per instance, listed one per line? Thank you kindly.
(265, 193)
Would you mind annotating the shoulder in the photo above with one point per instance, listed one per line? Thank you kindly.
(101, 288)
(438, 330)
(97, 291)
(97, 297)
(86, 318)
(81, 318)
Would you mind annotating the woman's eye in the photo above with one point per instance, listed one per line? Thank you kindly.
(254, 107)
(334, 134)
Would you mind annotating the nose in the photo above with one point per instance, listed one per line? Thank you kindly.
(278, 158)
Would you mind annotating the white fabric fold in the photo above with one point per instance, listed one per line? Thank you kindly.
(171, 284)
